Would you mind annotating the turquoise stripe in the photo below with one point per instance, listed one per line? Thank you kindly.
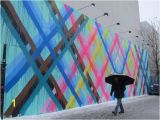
(22, 46)
(26, 53)
(29, 10)
(66, 42)
(28, 102)
(124, 63)
(52, 96)
(84, 79)
(106, 47)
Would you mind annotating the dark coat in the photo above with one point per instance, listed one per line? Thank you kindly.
(118, 90)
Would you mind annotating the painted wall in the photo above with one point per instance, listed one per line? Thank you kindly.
(116, 9)
(58, 58)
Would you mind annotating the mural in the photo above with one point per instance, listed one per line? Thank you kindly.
(57, 58)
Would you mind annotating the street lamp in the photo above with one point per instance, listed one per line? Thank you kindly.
(126, 31)
(91, 5)
(133, 36)
(113, 24)
(3, 72)
(105, 14)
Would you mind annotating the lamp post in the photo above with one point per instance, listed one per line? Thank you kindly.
(3, 70)
(126, 31)
(133, 36)
(113, 24)
(105, 14)
(91, 5)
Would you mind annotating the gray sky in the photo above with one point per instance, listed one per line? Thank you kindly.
(149, 9)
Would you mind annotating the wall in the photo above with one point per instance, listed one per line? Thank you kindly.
(58, 58)
(126, 12)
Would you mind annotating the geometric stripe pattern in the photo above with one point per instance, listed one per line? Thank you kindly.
(61, 57)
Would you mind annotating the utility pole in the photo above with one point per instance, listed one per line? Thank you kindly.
(3, 70)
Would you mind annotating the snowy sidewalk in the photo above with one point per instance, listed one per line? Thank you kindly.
(140, 107)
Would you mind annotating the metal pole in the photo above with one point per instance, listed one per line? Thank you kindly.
(3, 70)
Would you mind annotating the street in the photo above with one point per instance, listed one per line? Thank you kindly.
(143, 107)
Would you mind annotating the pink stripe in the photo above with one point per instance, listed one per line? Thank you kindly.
(44, 108)
(86, 48)
(99, 79)
(135, 68)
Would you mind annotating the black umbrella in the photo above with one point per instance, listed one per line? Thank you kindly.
(122, 79)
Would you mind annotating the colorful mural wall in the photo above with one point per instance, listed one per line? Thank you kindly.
(57, 58)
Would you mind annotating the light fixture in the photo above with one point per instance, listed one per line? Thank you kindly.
(129, 31)
(133, 36)
(126, 31)
(113, 24)
(118, 23)
(105, 14)
(91, 5)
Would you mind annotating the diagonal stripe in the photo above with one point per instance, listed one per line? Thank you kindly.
(38, 26)
(18, 39)
(125, 60)
(100, 34)
(63, 87)
(34, 56)
(61, 68)
(114, 44)
(50, 49)
(140, 67)
(99, 79)
(85, 48)
(51, 68)
(80, 70)
(23, 48)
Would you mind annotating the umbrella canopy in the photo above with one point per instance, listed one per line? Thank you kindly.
(122, 79)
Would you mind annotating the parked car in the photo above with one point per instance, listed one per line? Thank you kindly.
(154, 89)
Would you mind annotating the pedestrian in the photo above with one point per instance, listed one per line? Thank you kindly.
(118, 88)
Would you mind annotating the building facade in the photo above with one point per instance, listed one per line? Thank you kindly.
(58, 58)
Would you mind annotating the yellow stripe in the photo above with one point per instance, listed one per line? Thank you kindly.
(80, 84)
(14, 103)
(71, 101)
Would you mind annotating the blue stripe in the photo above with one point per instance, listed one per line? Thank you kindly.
(84, 79)
(124, 63)
(20, 59)
(13, 67)
(64, 75)
(17, 37)
(105, 45)
(59, 25)
(34, 56)
(58, 64)
(50, 49)
(16, 78)
(28, 102)
(52, 96)
(19, 41)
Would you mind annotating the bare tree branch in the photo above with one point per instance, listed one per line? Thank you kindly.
(152, 36)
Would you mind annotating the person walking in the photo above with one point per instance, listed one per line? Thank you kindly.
(118, 89)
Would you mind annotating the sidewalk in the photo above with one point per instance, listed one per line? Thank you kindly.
(140, 107)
